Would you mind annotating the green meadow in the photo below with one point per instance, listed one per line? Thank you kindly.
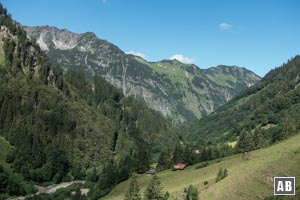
(249, 177)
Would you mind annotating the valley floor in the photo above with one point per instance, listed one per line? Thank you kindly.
(250, 178)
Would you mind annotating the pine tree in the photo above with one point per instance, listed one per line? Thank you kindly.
(163, 161)
(189, 157)
(204, 155)
(221, 174)
(191, 193)
(245, 142)
(258, 139)
(93, 177)
(225, 173)
(154, 190)
(133, 192)
(143, 157)
(140, 160)
(209, 153)
(177, 154)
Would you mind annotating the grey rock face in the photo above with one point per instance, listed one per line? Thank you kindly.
(179, 91)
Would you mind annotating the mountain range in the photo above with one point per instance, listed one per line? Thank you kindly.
(181, 92)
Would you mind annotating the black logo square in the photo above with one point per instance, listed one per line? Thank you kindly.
(284, 185)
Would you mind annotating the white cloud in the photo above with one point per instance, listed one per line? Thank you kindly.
(224, 26)
(137, 54)
(182, 59)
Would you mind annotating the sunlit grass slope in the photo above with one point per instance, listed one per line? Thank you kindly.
(247, 179)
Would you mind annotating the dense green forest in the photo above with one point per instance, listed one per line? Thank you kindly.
(259, 116)
(62, 126)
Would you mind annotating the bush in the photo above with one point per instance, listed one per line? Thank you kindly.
(221, 174)
(191, 193)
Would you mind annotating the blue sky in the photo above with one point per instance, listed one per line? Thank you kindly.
(256, 34)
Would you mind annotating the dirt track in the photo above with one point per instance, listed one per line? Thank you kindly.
(49, 189)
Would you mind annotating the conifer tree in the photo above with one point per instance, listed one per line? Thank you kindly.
(258, 139)
(221, 174)
(154, 190)
(133, 192)
(191, 193)
(164, 160)
(177, 154)
(245, 142)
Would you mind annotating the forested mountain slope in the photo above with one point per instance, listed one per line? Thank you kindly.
(62, 126)
(266, 112)
(181, 92)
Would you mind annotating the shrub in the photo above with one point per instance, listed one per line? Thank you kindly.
(191, 193)
(221, 174)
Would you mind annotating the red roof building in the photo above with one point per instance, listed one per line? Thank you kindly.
(180, 166)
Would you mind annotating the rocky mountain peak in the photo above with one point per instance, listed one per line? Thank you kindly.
(49, 36)
(179, 91)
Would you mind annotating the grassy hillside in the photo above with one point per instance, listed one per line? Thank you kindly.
(247, 179)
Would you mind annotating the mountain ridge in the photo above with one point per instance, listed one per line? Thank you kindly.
(146, 81)
(267, 108)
